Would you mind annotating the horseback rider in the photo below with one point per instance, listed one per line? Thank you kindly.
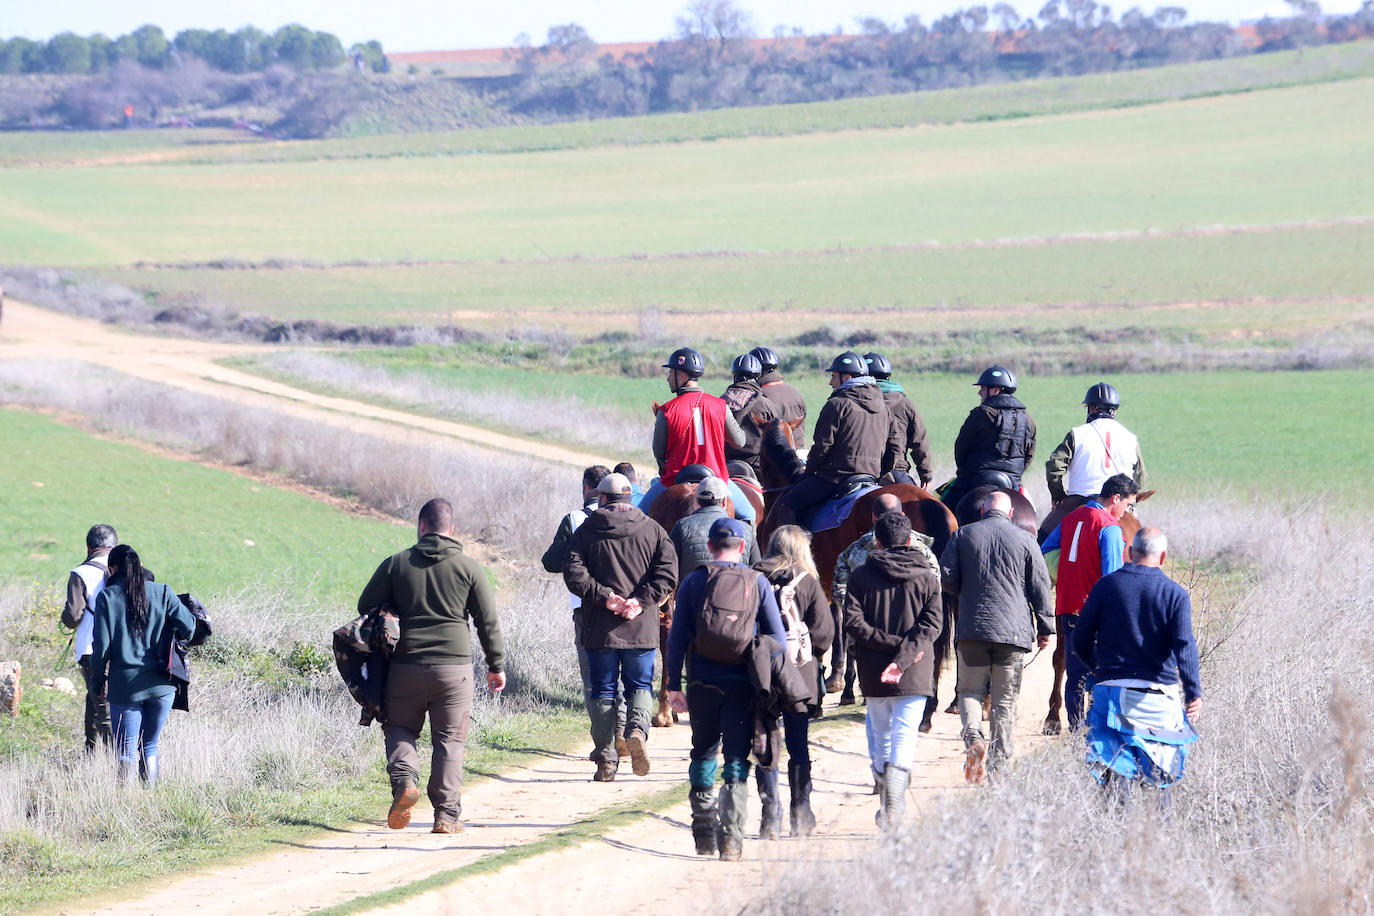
(997, 439)
(853, 438)
(693, 428)
(785, 398)
(906, 423)
(1098, 449)
(749, 406)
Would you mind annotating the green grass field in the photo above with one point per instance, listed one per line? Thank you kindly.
(1205, 162)
(981, 103)
(191, 524)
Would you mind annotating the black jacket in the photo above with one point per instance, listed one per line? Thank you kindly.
(624, 552)
(996, 571)
(998, 435)
(852, 436)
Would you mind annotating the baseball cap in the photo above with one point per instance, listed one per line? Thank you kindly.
(614, 485)
(711, 490)
(725, 529)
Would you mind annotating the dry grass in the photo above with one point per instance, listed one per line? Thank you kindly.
(1273, 814)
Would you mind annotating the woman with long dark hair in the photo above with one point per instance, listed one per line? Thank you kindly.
(135, 620)
(791, 569)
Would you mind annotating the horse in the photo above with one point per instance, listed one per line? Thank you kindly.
(1130, 524)
(781, 466)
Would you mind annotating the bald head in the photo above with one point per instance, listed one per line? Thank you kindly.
(1148, 547)
(997, 501)
(885, 503)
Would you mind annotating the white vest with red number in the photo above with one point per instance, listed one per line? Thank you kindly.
(1101, 449)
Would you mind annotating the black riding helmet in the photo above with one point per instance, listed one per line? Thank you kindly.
(997, 377)
(687, 361)
(745, 366)
(878, 366)
(1102, 395)
(766, 357)
(849, 363)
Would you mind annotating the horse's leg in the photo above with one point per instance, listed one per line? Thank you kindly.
(665, 718)
(1053, 725)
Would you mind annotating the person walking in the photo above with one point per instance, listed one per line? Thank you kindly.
(78, 613)
(787, 399)
(791, 571)
(690, 533)
(1089, 545)
(996, 571)
(134, 619)
(1135, 636)
(907, 426)
(622, 565)
(893, 614)
(716, 605)
(438, 593)
(997, 440)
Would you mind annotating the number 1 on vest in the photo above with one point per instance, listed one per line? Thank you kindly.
(698, 426)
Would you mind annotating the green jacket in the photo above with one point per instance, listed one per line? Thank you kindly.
(435, 590)
(133, 665)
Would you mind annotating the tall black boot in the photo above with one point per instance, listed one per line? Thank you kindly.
(799, 776)
(770, 826)
(705, 820)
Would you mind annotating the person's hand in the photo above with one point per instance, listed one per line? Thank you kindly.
(631, 609)
(616, 605)
(892, 674)
(1042, 642)
(1194, 707)
(677, 701)
(496, 681)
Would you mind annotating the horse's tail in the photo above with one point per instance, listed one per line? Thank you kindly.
(946, 638)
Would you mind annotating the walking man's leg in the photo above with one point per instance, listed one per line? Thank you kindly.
(604, 665)
(905, 725)
(407, 697)
(971, 687)
(450, 714)
(735, 736)
(1075, 674)
(637, 675)
(1007, 662)
(704, 703)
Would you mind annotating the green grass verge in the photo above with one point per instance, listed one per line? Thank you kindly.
(199, 528)
(1199, 163)
(991, 102)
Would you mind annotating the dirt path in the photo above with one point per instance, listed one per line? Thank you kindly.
(533, 803)
(29, 332)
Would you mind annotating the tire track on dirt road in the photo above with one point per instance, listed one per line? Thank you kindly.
(29, 332)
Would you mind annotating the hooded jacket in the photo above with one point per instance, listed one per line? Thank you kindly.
(787, 399)
(436, 590)
(745, 399)
(909, 429)
(893, 612)
(997, 435)
(852, 435)
(996, 571)
(619, 550)
(133, 666)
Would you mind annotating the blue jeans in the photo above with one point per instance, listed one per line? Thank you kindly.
(893, 724)
(744, 509)
(635, 669)
(137, 726)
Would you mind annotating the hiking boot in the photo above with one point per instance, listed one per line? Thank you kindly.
(639, 752)
(731, 849)
(803, 821)
(895, 781)
(770, 825)
(880, 790)
(445, 824)
(622, 747)
(404, 795)
(975, 762)
(603, 730)
(705, 820)
(605, 770)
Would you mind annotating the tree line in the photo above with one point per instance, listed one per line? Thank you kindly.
(711, 62)
(246, 50)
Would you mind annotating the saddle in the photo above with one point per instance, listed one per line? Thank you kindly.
(833, 512)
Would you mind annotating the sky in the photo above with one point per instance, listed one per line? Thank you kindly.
(429, 25)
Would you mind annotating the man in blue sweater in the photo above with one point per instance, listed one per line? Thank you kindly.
(1135, 634)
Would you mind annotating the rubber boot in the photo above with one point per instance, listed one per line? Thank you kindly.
(705, 820)
(603, 737)
(733, 796)
(851, 674)
(802, 818)
(880, 790)
(895, 781)
(124, 773)
(770, 825)
(147, 770)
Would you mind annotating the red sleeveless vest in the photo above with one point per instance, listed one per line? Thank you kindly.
(696, 434)
(1080, 557)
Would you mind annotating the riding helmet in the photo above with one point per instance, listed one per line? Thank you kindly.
(687, 361)
(745, 366)
(849, 363)
(997, 377)
(766, 357)
(1102, 395)
(878, 366)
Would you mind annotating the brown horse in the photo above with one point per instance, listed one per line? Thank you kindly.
(781, 466)
(1130, 524)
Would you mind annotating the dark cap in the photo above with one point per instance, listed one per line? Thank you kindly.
(727, 529)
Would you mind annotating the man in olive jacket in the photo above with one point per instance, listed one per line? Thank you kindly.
(893, 614)
(435, 590)
(999, 576)
(623, 566)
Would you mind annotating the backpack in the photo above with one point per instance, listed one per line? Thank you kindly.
(729, 609)
(798, 634)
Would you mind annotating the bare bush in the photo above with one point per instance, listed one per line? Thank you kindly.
(1274, 814)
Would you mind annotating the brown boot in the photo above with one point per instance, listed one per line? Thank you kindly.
(404, 795)
(605, 771)
(445, 824)
(639, 752)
